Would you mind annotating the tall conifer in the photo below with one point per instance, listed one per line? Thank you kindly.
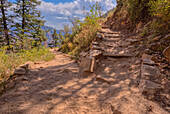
(55, 37)
(29, 20)
(5, 20)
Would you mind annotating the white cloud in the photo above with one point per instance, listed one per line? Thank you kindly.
(61, 17)
(56, 15)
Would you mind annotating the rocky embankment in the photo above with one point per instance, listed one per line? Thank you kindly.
(115, 59)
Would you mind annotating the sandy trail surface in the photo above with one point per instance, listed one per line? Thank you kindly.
(56, 87)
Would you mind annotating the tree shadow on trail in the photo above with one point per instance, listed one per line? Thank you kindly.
(44, 90)
(51, 85)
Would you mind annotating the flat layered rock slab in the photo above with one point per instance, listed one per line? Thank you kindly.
(113, 50)
(111, 39)
(110, 35)
(95, 47)
(133, 40)
(111, 32)
(99, 36)
(95, 43)
(95, 53)
(105, 26)
(148, 62)
(108, 44)
(116, 55)
(124, 44)
(113, 36)
(105, 79)
(108, 31)
(83, 54)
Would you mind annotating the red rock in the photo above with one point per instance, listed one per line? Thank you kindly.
(149, 87)
(166, 53)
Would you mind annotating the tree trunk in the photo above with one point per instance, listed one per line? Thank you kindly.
(23, 15)
(4, 23)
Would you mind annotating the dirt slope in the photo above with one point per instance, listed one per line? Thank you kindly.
(56, 87)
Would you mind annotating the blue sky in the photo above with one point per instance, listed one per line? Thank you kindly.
(56, 12)
(58, 1)
(53, 1)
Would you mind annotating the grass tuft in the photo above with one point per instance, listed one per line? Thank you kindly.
(8, 62)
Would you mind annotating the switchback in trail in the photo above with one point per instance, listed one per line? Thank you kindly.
(56, 87)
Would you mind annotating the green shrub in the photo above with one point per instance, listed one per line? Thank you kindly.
(145, 32)
(83, 32)
(155, 11)
(138, 10)
(8, 62)
(160, 9)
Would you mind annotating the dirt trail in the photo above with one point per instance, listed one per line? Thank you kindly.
(56, 87)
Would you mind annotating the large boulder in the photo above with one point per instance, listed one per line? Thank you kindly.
(147, 51)
(167, 37)
(146, 56)
(27, 65)
(149, 72)
(153, 39)
(95, 47)
(148, 62)
(87, 66)
(99, 36)
(30, 64)
(22, 69)
(19, 71)
(156, 47)
(95, 53)
(83, 54)
(166, 53)
(24, 66)
(149, 87)
(156, 39)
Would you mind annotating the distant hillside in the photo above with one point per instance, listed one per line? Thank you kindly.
(107, 13)
(49, 34)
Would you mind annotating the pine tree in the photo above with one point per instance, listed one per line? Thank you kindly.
(66, 31)
(1, 33)
(29, 20)
(5, 19)
(37, 32)
(55, 37)
(61, 37)
(39, 36)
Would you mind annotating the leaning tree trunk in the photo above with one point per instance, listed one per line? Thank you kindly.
(4, 20)
(23, 15)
